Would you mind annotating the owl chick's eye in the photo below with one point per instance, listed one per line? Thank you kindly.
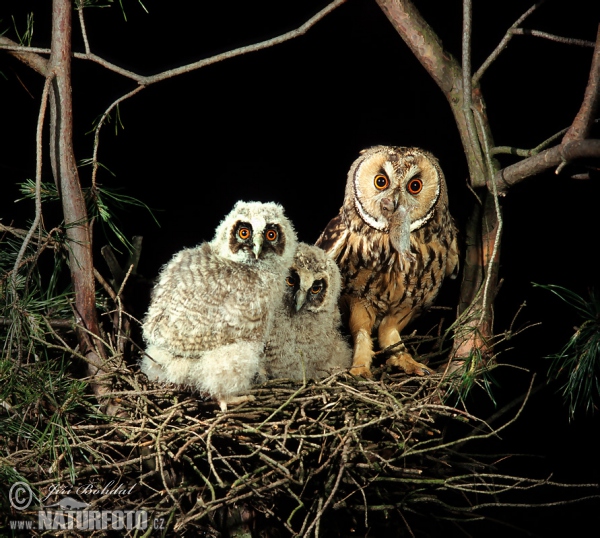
(290, 281)
(381, 182)
(414, 186)
(271, 235)
(316, 288)
(244, 233)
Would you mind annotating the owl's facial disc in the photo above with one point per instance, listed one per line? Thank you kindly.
(374, 191)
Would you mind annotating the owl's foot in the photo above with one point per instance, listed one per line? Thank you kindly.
(408, 364)
(234, 400)
(361, 371)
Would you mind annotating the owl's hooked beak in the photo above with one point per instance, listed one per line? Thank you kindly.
(300, 299)
(257, 240)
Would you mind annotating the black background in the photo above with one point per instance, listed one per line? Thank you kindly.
(284, 124)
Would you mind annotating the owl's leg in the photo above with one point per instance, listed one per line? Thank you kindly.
(234, 400)
(389, 334)
(361, 324)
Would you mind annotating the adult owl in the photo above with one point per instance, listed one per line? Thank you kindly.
(212, 307)
(305, 341)
(394, 241)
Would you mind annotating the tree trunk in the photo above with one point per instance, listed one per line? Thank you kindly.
(67, 177)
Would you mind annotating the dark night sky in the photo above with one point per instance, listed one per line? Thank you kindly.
(285, 124)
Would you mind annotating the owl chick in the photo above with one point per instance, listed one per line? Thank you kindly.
(394, 241)
(305, 341)
(212, 307)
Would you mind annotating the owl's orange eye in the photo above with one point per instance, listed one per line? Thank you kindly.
(381, 182)
(290, 281)
(414, 186)
(244, 233)
(316, 288)
(271, 235)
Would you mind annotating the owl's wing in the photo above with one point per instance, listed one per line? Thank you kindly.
(202, 302)
(452, 261)
(333, 238)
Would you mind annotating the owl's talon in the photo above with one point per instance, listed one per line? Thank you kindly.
(361, 371)
(408, 364)
(235, 400)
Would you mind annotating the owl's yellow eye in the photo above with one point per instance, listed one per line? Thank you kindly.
(290, 281)
(381, 182)
(271, 235)
(244, 233)
(316, 288)
(414, 186)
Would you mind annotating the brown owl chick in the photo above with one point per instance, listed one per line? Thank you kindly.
(305, 341)
(395, 242)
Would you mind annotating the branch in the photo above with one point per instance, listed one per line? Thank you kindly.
(503, 44)
(574, 144)
(24, 52)
(28, 55)
(467, 89)
(445, 71)
(551, 158)
(552, 37)
(38, 184)
(582, 124)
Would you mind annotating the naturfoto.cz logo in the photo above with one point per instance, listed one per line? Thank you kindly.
(69, 513)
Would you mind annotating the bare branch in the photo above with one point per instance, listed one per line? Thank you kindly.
(38, 184)
(503, 44)
(86, 43)
(574, 145)
(582, 124)
(99, 126)
(24, 53)
(28, 55)
(467, 89)
(550, 158)
(552, 37)
(497, 150)
(494, 258)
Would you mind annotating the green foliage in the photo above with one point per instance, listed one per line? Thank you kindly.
(41, 295)
(475, 372)
(27, 36)
(579, 359)
(102, 204)
(43, 393)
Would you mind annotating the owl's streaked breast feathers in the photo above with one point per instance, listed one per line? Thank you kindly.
(395, 241)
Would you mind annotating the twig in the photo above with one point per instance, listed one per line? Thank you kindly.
(38, 183)
(503, 44)
(552, 37)
(13, 47)
(494, 256)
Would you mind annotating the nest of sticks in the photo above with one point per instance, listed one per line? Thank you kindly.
(330, 458)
